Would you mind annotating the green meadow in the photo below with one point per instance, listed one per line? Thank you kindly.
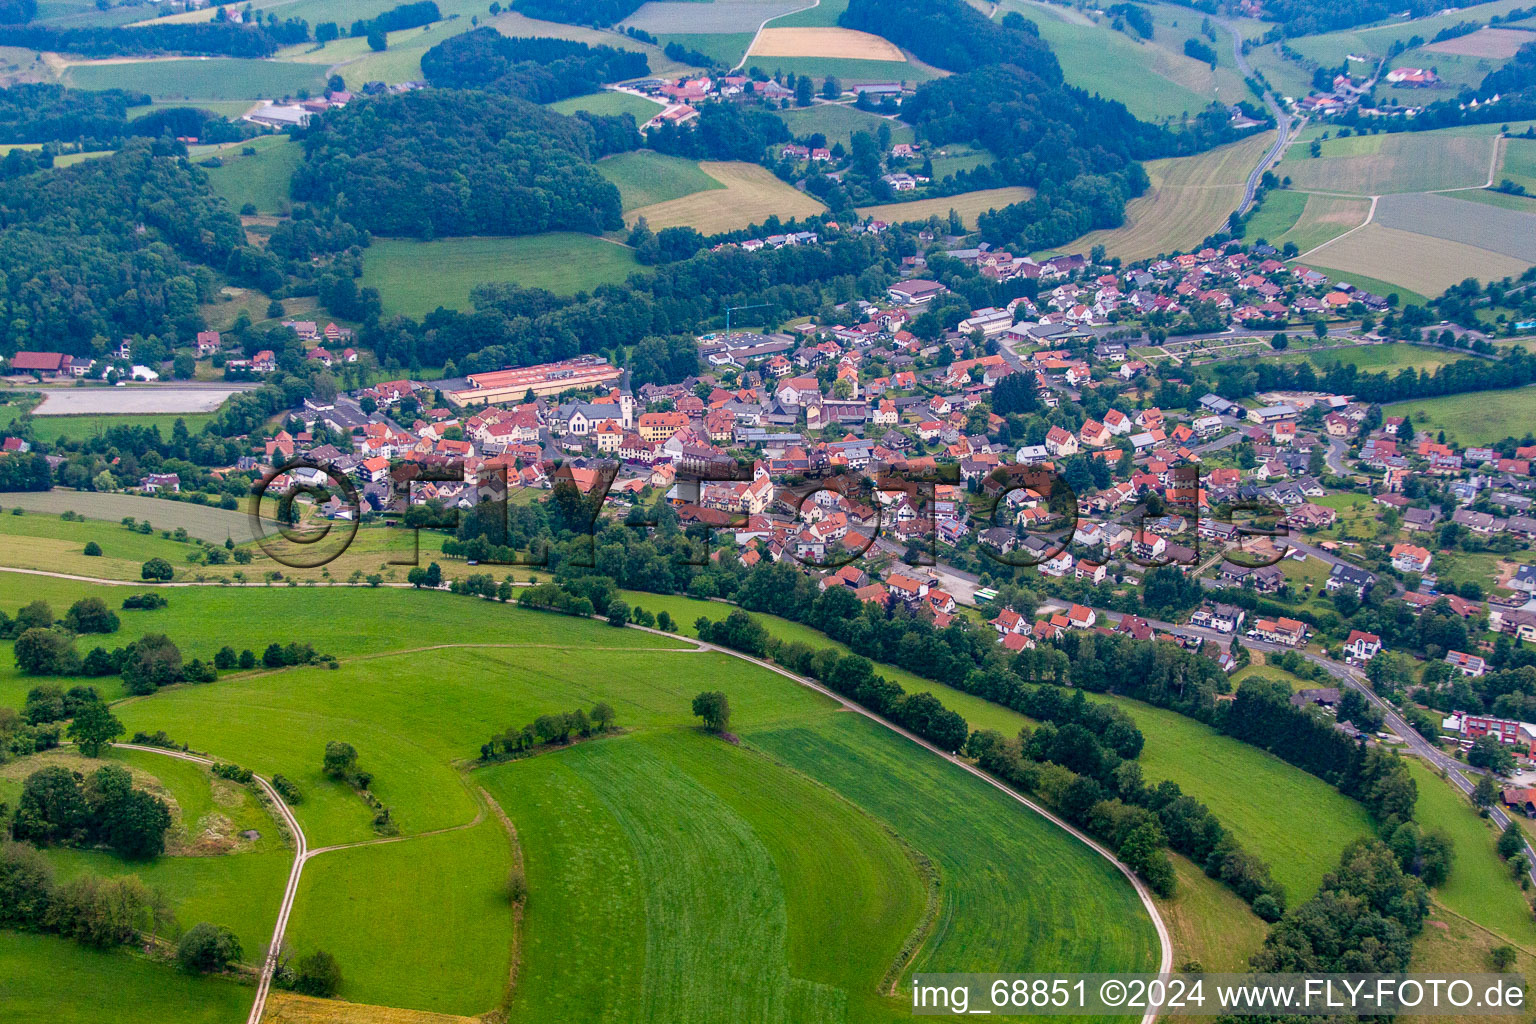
(694, 876)
(610, 103)
(1202, 761)
(52, 979)
(645, 177)
(80, 427)
(261, 178)
(1480, 886)
(1479, 417)
(416, 277)
(214, 78)
(838, 122)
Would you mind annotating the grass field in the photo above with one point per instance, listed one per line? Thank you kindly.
(217, 78)
(1153, 78)
(1480, 886)
(749, 893)
(415, 277)
(1209, 922)
(1376, 358)
(848, 72)
(610, 103)
(1306, 220)
(261, 178)
(751, 195)
(49, 543)
(1200, 760)
(1518, 162)
(211, 524)
(1441, 216)
(445, 896)
(838, 122)
(53, 979)
(1279, 213)
(704, 841)
(645, 177)
(1189, 199)
(1332, 47)
(52, 428)
(1366, 165)
(1374, 285)
(1420, 263)
(510, 23)
(967, 204)
(724, 47)
(1480, 417)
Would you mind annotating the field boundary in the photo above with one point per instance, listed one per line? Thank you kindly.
(302, 853)
(764, 24)
(1165, 941)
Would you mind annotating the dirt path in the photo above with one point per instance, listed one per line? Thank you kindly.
(300, 855)
(1165, 941)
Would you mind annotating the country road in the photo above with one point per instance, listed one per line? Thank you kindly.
(1282, 119)
(302, 852)
(300, 855)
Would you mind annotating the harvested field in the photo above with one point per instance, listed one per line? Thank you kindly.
(666, 17)
(823, 42)
(127, 401)
(967, 204)
(292, 1008)
(1486, 227)
(1423, 263)
(751, 194)
(210, 524)
(1499, 43)
(1190, 198)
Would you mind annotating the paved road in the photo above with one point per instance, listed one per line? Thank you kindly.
(1456, 771)
(1282, 119)
(1334, 460)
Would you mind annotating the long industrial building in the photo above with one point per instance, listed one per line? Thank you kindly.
(544, 380)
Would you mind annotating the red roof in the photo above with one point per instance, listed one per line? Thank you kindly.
(49, 362)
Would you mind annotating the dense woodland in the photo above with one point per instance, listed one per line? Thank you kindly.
(109, 248)
(538, 70)
(578, 12)
(434, 162)
(49, 113)
(32, 113)
(212, 39)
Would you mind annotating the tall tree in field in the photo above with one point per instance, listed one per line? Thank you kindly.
(713, 707)
(94, 727)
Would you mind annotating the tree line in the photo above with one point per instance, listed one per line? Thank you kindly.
(550, 730)
(209, 39)
(539, 70)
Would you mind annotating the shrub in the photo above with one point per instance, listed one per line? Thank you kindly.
(288, 790)
(317, 975)
(91, 615)
(144, 602)
(93, 549)
(207, 948)
(157, 569)
(233, 773)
